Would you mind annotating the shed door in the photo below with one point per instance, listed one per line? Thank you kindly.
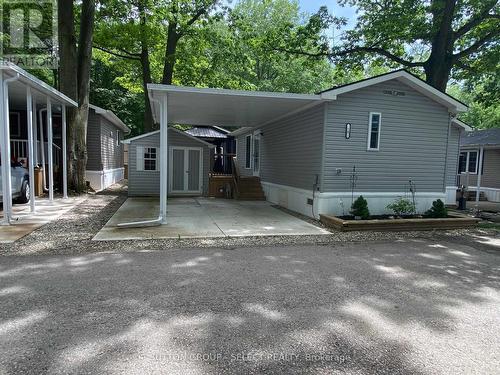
(185, 172)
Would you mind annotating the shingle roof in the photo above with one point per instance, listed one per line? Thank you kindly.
(482, 137)
(207, 132)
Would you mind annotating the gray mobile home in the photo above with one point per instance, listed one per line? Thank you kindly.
(105, 164)
(480, 156)
(384, 137)
(189, 164)
(372, 140)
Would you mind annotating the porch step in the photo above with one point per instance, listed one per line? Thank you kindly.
(249, 188)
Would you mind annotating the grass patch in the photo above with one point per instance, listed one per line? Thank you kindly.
(486, 225)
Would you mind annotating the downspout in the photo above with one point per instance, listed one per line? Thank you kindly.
(446, 156)
(160, 219)
(6, 172)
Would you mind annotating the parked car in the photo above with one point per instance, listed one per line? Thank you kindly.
(20, 184)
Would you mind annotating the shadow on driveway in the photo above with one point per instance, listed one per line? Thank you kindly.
(409, 306)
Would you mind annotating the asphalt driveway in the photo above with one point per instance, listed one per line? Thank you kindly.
(408, 306)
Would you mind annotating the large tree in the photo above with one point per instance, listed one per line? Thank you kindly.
(75, 61)
(439, 36)
(236, 52)
(135, 30)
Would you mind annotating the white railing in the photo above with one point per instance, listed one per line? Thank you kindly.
(19, 149)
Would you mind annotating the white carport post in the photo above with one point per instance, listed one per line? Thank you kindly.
(50, 149)
(5, 219)
(31, 157)
(42, 148)
(64, 151)
(6, 172)
(35, 132)
(479, 173)
(163, 157)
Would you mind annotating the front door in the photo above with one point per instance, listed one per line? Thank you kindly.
(186, 168)
(256, 153)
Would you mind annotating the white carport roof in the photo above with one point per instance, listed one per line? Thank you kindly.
(40, 89)
(221, 107)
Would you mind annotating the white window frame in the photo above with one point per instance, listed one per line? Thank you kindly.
(370, 131)
(144, 159)
(248, 152)
(468, 152)
(117, 137)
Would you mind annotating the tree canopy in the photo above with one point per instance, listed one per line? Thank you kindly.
(271, 45)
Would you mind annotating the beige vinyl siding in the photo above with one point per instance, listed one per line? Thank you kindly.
(147, 183)
(491, 169)
(413, 137)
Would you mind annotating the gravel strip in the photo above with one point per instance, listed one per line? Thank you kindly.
(72, 233)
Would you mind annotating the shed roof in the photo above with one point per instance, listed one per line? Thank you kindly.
(207, 132)
(130, 140)
(487, 137)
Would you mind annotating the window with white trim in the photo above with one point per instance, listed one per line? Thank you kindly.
(118, 138)
(150, 158)
(248, 151)
(374, 125)
(468, 162)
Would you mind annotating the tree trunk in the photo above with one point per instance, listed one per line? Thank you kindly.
(83, 79)
(146, 69)
(171, 47)
(438, 66)
(67, 73)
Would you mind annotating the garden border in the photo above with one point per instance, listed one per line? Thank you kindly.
(453, 221)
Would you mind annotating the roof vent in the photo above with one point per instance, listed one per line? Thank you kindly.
(394, 92)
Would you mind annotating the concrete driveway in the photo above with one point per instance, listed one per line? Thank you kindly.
(204, 218)
(405, 307)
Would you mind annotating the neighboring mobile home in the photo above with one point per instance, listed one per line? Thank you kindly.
(480, 153)
(105, 152)
(314, 153)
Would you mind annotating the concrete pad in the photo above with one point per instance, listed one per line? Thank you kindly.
(204, 218)
(25, 222)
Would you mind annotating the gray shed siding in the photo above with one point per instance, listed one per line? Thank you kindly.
(453, 153)
(102, 149)
(491, 169)
(94, 142)
(414, 130)
(111, 151)
(147, 183)
(291, 149)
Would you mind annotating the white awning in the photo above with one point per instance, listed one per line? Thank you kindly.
(204, 106)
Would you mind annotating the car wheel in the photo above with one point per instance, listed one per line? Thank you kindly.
(25, 192)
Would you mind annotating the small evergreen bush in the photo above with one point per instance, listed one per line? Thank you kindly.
(360, 208)
(437, 210)
(401, 207)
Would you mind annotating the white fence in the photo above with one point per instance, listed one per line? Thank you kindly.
(19, 149)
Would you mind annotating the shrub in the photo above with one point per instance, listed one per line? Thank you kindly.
(360, 208)
(402, 206)
(437, 210)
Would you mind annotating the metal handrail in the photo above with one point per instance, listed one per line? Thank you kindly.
(236, 176)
